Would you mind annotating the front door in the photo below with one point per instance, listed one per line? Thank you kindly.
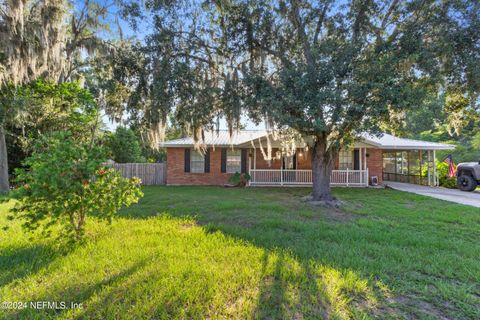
(289, 163)
(356, 159)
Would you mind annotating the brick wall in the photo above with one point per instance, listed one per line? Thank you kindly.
(304, 160)
(375, 164)
(177, 176)
(264, 164)
(176, 171)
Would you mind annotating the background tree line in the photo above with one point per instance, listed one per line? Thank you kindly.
(327, 69)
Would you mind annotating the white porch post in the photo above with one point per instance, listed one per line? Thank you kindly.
(347, 176)
(361, 158)
(281, 172)
(249, 161)
(435, 183)
(365, 158)
(255, 165)
(429, 159)
(365, 165)
(361, 165)
(249, 165)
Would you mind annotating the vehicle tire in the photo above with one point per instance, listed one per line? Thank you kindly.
(466, 183)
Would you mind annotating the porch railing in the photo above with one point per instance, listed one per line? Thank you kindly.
(267, 177)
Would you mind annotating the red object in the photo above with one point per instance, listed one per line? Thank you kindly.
(451, 165)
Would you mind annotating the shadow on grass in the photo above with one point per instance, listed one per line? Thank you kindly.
(17, 263)
(279, 224)
(271, 291)
(369, 248)
(78, 294)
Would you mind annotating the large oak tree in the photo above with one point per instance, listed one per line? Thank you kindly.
(328, 69)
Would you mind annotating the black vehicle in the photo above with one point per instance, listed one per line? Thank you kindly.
(468, 176)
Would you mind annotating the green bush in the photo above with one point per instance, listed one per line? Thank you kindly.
(442, 172)
(64, 182)
(443, 179)
(239, 179)
(448, 182)
(124, 146)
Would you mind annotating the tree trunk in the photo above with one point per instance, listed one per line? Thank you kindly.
(322, 165)
(4, 186)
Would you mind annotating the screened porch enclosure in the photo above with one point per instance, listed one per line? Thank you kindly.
(410, 166)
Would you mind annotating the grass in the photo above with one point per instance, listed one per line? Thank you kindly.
(207, 252)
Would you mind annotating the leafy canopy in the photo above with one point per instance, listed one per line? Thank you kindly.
(42, 107)
(328, 69)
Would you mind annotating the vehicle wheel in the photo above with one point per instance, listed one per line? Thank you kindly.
(466, 183)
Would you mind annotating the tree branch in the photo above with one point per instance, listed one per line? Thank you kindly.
(321, 19)
(297, 22)
(385, 19)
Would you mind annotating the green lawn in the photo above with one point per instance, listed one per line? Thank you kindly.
(207, 252)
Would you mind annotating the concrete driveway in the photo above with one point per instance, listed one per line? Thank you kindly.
(453, 195)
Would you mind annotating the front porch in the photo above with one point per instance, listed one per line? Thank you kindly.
(281, 177)
(350, 168)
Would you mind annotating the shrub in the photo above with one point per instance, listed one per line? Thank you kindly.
(442, 172)
(64, 182)
(239, 179)
(125, 147)
(443, 179)
(448, 182)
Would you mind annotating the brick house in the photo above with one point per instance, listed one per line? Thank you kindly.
(370, 160)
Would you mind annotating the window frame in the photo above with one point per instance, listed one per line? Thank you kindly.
(194, 161)
(229, 155)
(346, 154)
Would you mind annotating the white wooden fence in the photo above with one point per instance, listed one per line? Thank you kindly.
(149, 173)
(304, 177)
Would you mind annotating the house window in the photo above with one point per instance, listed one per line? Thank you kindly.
(197, 162)
(346, 159)
(234, 159)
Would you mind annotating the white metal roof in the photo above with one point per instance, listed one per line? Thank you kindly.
(221, 138)
(385, 141)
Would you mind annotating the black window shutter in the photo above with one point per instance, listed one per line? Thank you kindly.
(295, 161)
(223, 164)
(207, 161)
(244, 160)
(187, 160)
(356, 159)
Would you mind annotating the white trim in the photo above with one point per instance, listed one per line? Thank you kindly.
(281, 177)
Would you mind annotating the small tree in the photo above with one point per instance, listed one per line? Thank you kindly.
(125, 147)
(65, 182)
